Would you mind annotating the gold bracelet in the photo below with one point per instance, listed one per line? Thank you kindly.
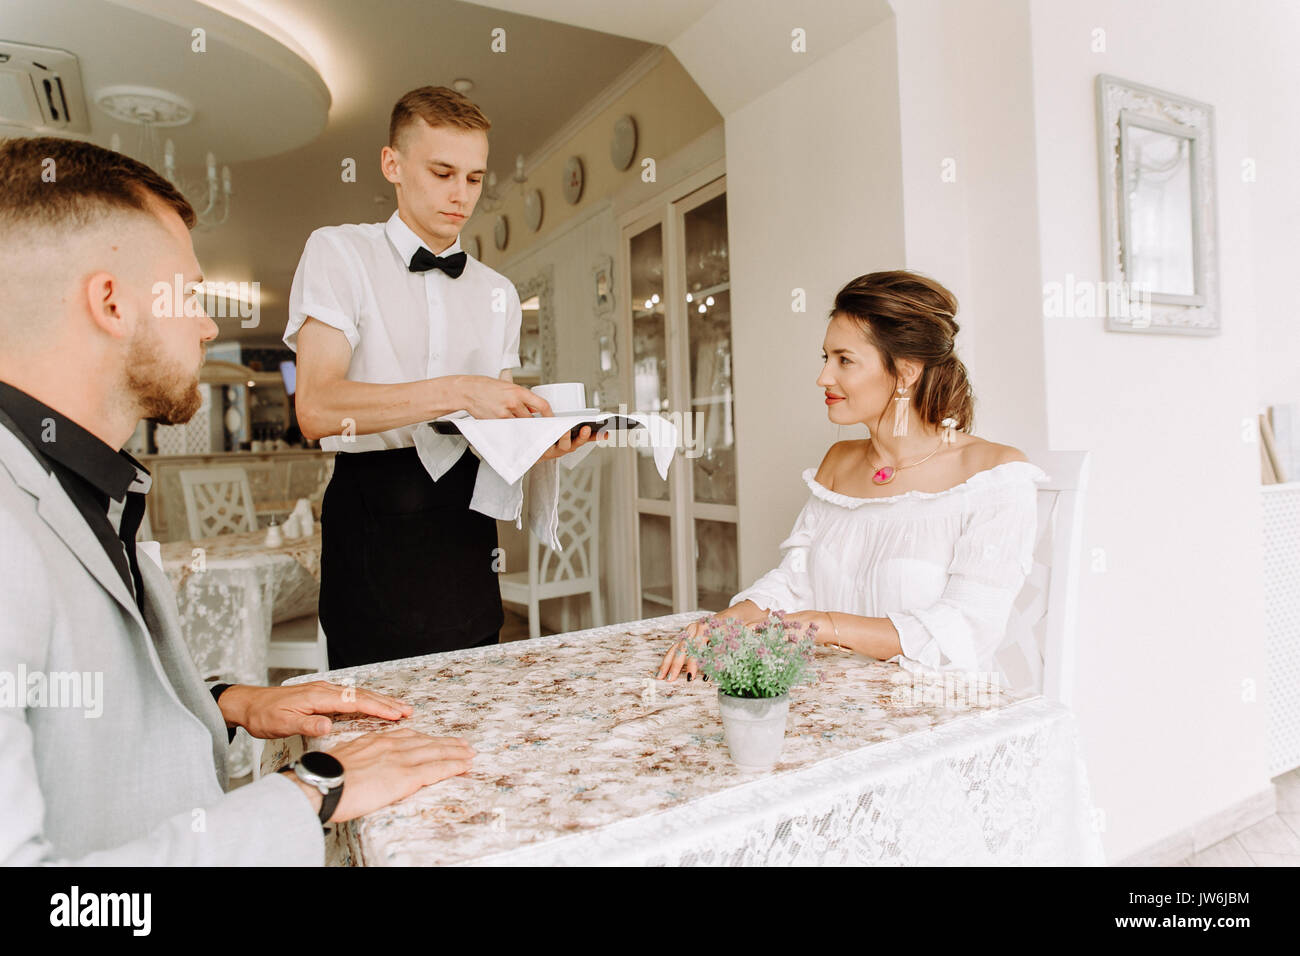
(836, 642)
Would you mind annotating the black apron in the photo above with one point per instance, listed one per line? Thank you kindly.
(406, 567)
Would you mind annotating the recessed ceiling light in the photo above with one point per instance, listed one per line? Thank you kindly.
(462, 85)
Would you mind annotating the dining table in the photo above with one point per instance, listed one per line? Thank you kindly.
(584, 757)
(230, 591)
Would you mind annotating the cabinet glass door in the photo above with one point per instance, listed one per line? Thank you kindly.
(708, 343)
(649, 347)
(679, 319)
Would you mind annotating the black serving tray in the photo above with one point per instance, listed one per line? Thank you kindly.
(613, 422)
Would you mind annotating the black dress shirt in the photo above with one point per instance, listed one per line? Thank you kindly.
(92, 473)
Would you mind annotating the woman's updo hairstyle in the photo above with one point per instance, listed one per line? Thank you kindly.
(910, 316)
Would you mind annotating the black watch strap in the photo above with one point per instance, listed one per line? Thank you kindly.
(328, 804)
(329, 800)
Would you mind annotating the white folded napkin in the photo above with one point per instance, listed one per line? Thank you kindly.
(509, 447)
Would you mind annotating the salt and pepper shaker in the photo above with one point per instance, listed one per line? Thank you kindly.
(302, 511)
(274, 537)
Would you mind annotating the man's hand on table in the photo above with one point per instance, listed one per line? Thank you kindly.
(380, 769)
(271, 712)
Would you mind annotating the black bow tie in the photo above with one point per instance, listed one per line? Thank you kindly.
(424, 260)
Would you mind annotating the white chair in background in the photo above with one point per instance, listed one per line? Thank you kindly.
(1037, 653)
(217, 501)
(576, 569)
(298, 645)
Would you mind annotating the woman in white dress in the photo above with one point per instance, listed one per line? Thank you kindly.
(914, 542)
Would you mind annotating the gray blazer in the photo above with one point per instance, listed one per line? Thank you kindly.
(134, 774)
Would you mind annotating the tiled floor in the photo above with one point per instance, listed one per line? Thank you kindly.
(1271, 842)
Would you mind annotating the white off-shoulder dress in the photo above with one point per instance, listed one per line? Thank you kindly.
(945, 567)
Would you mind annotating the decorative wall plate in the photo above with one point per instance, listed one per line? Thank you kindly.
(622, 145)
(573, 179)
(533, 209)
(472, 246)
(501, 233)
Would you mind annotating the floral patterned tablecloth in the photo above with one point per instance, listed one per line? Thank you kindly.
(584, 758)
(229, 591)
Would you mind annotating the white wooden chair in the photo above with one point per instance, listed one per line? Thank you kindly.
(299, 645)
(576, 569)
(217, 501)
(1038, 651)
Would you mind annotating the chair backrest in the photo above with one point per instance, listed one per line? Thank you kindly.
(308, 477)
(1038, 651)
(578, 528)
(217, 501)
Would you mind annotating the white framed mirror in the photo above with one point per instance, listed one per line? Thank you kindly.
(1159, 228)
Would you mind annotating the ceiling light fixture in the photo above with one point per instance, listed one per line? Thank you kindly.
(151, 109)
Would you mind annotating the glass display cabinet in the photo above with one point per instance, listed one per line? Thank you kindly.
(676, 282)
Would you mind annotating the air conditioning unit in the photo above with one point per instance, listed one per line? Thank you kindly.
(40, 90)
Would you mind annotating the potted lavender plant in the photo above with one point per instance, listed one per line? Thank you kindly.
(754, 666)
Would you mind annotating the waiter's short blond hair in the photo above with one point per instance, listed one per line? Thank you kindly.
(437, 106)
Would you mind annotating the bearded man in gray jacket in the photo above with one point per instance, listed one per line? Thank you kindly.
(112, 749)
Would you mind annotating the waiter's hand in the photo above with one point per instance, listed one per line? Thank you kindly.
(271, 712)
(567, 444)
(486, 397)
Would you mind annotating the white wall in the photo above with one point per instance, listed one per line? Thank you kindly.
(1174, 626)
(970, 197)
(814, 199)
(1272, 146)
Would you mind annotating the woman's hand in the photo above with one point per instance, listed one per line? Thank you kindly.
(675, 661)
(825, 632)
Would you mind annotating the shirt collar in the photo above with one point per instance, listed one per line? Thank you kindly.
(112, 472)
(406, 242)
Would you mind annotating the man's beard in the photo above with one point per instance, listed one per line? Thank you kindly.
(166, 393)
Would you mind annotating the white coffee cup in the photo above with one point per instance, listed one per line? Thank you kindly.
(563, 396)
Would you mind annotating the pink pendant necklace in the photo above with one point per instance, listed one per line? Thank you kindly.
(885, 473)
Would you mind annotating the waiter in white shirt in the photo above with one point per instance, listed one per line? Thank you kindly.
(394, 325)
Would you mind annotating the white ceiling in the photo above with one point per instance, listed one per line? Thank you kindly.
(253, 92)
(271, 99)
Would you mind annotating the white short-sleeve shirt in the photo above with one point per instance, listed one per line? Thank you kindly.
(403, 326)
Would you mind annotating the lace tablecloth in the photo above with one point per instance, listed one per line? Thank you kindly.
(584, 759)
(229, 591)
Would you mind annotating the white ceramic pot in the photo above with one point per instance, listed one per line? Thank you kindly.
(755, 729)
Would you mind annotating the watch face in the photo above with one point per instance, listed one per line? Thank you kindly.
(321, 764)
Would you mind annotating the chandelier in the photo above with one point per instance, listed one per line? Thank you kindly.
(151, 110)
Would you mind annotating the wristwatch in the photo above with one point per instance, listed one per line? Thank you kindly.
(323, 772)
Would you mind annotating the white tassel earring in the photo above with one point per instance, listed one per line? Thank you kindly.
(900, 412)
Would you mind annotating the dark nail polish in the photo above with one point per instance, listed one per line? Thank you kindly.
(688, 677)
(706, 676)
